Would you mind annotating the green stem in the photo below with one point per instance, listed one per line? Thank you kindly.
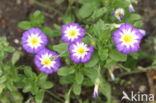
(90, 35)
(125, 68)
(62, 53)
(55, 96)
(70, 3)
(138, 70)
(67, 97)
(48, 7)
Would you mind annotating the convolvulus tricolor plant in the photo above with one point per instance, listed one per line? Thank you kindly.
(95, 37)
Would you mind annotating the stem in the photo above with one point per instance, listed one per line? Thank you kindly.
(67, 97)
(90, 35)
(55, 96)
(62, 53)
(125, 68)
(53, 58)
(29, 100)
(139, 70)
(70, 3)
(48, 7)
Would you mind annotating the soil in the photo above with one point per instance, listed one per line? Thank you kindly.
(13, 11)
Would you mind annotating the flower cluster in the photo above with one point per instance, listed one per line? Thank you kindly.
(34, 41)
(73, 34)
(127, 38)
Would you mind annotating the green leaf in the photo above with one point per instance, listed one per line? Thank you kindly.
(67, 19)
(98, 28)
(103, 53)
(92, 73)
(47, 85)
(105, 89)
(109, 63)
(51, 32)
(135, 55)
(64, 71)
(15, 57)
(60, 47)
(37, 13)
(10, 49)
(10, 86)
(138, 24)
(120, 4)
(3, 79)
(34, 89)
(67, 79)
(2, 86)
(28, 72)
(77, 89)
(86, 40)
(117, 56)
(79, 77)
(39, 96)
(86, 10)
(99, 12)
(27, 88)
(17, 96)
(42, 77)
(37, 19)
(134, 17)
(88, 83)
(94, 60)
(25, 25)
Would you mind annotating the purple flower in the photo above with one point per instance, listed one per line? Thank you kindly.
(127, 39)
(131, 8)
(119, 13)
(72, 32)
(80, 52)
(33, 40)
(47, 61)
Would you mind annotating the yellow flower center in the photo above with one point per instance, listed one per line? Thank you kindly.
(34, 41)
(47, 61)
(127, 38)
(118, 14)
(81, 50)
(72, 33)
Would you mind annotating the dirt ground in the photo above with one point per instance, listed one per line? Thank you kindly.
(13, 11)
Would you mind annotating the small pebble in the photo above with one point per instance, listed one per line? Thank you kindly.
(142, 88)
(16, 41)
(18, 2)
